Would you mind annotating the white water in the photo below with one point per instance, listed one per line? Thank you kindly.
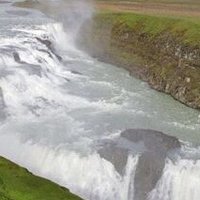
(181, 180)
(53, 117)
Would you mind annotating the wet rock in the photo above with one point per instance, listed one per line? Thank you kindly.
(45, 51)
(76, 72)
(153, 140)
(2, 106)
(153, 147)
(67, 80)
(17, 58)
(49, 45)
(116, 155)
(30, 68)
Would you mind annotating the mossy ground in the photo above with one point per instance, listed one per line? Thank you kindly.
(17, 183)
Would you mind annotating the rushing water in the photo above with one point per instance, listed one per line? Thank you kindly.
(57, 102)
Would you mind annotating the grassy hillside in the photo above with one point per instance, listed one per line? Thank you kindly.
(17, 183)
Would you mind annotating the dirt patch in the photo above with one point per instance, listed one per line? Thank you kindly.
(151, 8)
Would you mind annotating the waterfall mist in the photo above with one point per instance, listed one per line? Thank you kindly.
(71, 13)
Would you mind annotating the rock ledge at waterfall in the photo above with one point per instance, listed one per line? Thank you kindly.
(154, 148)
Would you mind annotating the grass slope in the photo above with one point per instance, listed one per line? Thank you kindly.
(17, 183)
(186, 29)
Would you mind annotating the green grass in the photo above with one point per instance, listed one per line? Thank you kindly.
(17, 183)
(185, 28)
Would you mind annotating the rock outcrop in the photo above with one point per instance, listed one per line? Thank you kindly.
(153, 146)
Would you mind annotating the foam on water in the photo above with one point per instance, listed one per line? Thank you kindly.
(180, 181)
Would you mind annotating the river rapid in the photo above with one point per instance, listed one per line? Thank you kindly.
(57, 103)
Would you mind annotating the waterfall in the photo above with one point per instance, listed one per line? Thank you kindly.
(58, 104)
(180, 181)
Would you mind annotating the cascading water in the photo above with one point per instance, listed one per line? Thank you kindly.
(57, 104)
(180, 181)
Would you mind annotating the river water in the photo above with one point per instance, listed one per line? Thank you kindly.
(57, 102)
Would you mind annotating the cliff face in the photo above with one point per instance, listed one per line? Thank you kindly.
(165, 52)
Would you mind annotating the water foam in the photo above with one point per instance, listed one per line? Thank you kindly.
(180, 181)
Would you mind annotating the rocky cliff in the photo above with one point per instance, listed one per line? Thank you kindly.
(163, 51)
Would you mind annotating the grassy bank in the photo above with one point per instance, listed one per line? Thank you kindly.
(137, 13)
(185, 29)
(160, 49)
(17, 183)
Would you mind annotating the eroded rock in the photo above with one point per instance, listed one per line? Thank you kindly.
(153, 147)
